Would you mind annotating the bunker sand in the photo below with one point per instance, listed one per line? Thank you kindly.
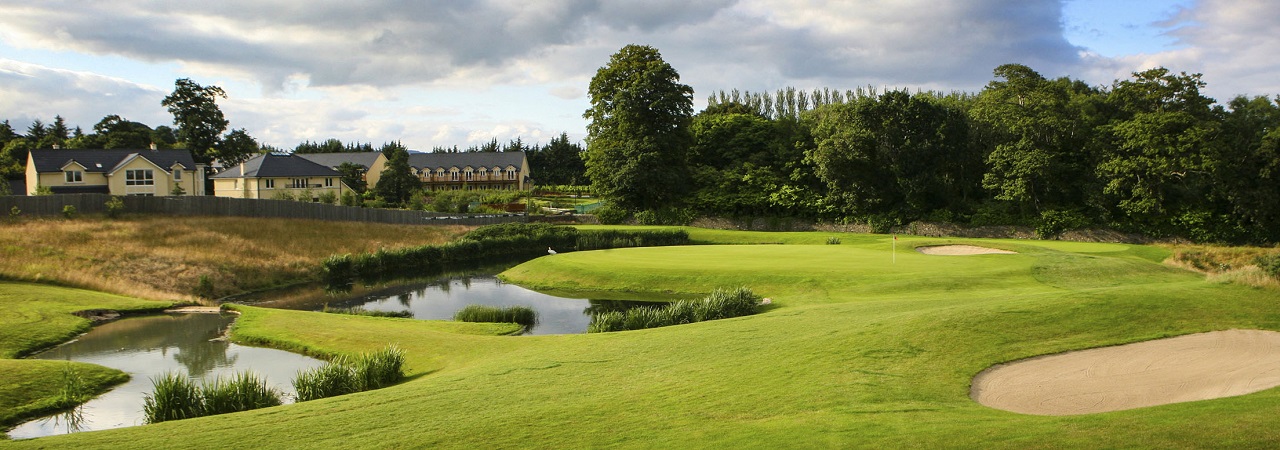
(1181, 369)
(961, 250)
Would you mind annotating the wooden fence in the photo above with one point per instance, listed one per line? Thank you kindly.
(50, 205)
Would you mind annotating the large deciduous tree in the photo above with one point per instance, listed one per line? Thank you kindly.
(1158, 170)
(638, 133)
(1042, 130)
(195, 112)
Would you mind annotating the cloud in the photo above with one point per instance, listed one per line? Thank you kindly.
(35, 92)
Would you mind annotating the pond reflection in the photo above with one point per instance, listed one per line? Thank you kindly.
(145, 347)
(440, 299)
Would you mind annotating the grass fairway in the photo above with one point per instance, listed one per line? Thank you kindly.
(856, 351)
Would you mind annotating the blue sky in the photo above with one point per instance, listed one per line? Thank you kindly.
(445, 73)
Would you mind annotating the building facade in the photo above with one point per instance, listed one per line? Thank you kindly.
(115, 172)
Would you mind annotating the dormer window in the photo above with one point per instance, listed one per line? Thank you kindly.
(74, 176)
(177, 174)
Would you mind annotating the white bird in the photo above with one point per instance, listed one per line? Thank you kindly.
(550, 251)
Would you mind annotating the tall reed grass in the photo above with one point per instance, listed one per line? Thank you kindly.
(522, 315)
(241, 392)
(721, 304)
(174, 397)
(360, 311)
(344, 375)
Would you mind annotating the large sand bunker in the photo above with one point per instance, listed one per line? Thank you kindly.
(960, 250)
(1181, 369)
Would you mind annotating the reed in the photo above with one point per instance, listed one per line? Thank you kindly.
(174, 397)
(344, 375)
(360, 311)
(242, 392)
(721, 304)
(522, 315)
(74, 390)
(332, 379)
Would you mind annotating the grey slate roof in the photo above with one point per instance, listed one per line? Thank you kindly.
(473, 159)
(103, 161)
(333, 160)
(277, 166)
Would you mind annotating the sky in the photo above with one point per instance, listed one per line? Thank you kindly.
(461, 72)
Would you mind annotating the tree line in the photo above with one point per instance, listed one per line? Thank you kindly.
(1149, 154)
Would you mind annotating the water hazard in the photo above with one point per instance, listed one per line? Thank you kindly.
(148, 346)
(441, 299)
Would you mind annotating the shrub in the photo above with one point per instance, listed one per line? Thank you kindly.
(284, 195)
(329, 197)
(522, 315)
(174, 397)
(177, 190)
(1270, 264)
(1053, 223)
(114, 207)
(833, 240)
(610, 215)
(69, 211)
(350, 199)
(14, 213)
(204, 288)
(242, 392)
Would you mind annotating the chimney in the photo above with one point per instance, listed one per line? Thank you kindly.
(153, 146)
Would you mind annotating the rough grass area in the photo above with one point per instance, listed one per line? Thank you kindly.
(859, 348)
(165, 257)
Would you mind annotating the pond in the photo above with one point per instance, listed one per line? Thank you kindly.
(439, 299)
(149, 346)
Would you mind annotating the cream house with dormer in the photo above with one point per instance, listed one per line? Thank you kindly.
(115, 172)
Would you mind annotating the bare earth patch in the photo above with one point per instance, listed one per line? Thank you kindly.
(961, 250)
(1182, 369)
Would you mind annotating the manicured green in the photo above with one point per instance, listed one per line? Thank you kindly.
(862, 346)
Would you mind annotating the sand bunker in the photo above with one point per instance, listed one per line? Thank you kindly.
(1182, 369)
(960, 250)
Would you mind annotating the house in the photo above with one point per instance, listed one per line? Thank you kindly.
(273, 176)
(333, 160)
(465, 171)
(116, 172)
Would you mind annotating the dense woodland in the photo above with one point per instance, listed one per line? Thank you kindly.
(1149, 154)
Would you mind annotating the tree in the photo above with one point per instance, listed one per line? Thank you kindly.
(1157, 172)
(195, 112)
(353, 176)
(899, 156)
(1042, 158)
(638, 133)
(236, 147)
(559, 162)
(116, 132)
(397, 182)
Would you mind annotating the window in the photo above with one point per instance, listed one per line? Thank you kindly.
(511, 174)
(271, 184)
(453, 175)
(74, 176)
(328, 182)
(299, 183)
(177, 174)
(468, 176)
(139, 177)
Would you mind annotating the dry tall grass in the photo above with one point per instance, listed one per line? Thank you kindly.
(160, 257)
(1225, 264)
